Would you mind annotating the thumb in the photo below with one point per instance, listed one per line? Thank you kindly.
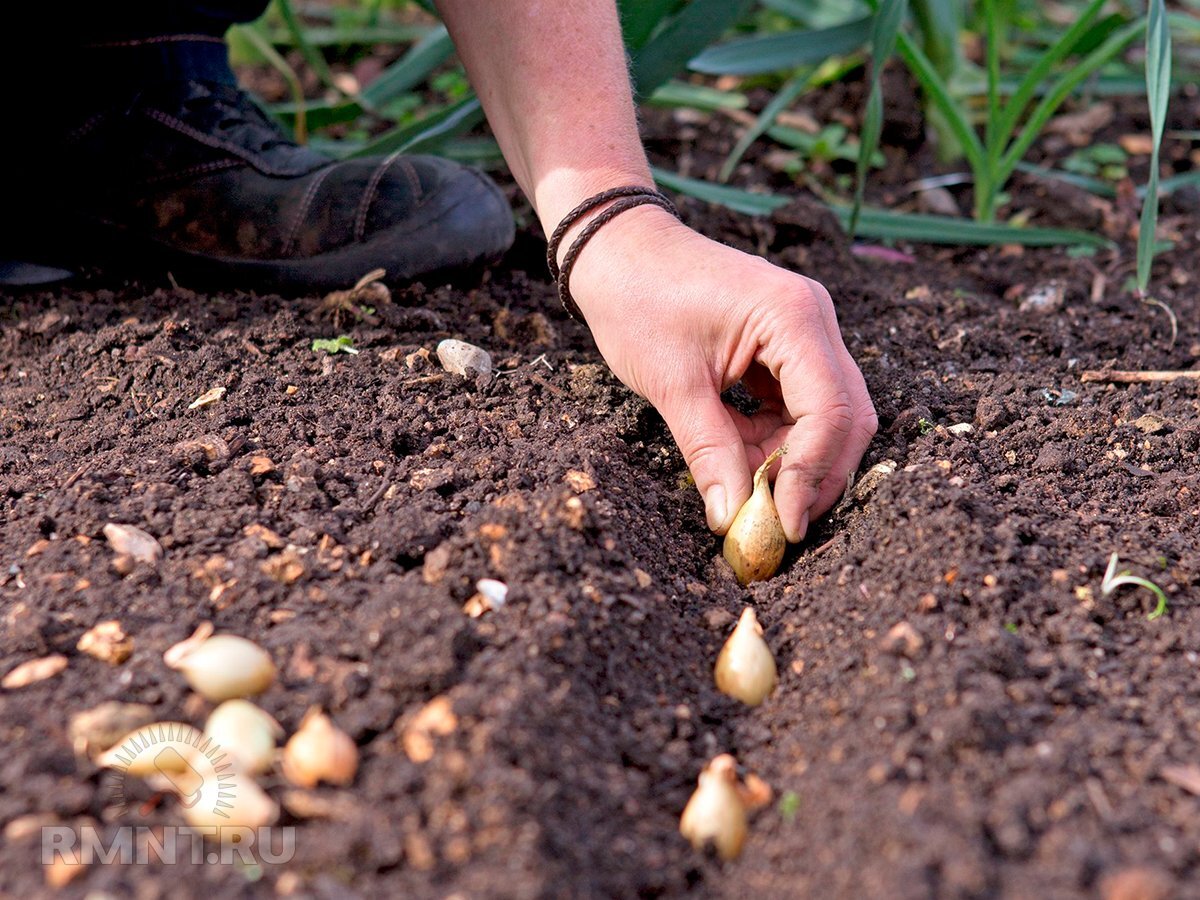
(713, 449)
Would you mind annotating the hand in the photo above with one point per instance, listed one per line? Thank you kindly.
(680, 318)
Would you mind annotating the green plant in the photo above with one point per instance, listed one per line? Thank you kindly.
(1114, 579)
(341, 344)
(788, 805)
(1158, 90)
(1011, 127)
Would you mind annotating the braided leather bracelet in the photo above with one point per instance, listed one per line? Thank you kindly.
(630, 196)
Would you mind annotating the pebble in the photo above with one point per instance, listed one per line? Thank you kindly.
(1043, 298)
(461, 358)
(132, 541)
(961, 428)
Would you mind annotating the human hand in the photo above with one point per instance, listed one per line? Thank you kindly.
(680, 318)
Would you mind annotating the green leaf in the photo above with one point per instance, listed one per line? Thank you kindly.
(756, 55)
(695, 27)
(429, 133)
(410, 69)
(312, 56)
(343, 36)
(696, 96)
(340, 344)
(1039, 72)
(881, 224)
(884, 31)
(1158, 92)
(1059, 92)
(640, 19)
(745, 202)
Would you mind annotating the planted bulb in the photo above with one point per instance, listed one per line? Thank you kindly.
(222, 666)
(755, 542)
(319, 751)
(745, 667)
(246, 733)
(715, 814)
(232, 800)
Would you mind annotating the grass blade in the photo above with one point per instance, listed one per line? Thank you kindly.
(1062, 89)
(696, 96)
(1040, 71)
(758, 55)
(785, 95)
(881, 224)
(884, 224)
(695, 27)
(429, 133)
(746, 202)
(939, 95)
(884, 31)
(251, 36)
(1158, 91)
(411, 69)
(313, 56)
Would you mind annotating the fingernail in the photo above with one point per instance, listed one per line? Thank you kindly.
(715, 507)
(801, 529)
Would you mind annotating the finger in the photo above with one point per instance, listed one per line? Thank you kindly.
(824, 414)
(712, 446)
(866, 423)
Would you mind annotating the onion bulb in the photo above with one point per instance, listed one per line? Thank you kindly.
(755, 541)
(745, 668)
(246, 733)
(222, 666)
(715, 814)
(319, 751)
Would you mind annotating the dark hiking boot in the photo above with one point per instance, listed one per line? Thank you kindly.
(192, 177)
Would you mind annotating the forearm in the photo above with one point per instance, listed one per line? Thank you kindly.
(554, 84)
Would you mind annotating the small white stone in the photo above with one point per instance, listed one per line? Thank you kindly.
(1044, 298)
(495, 591)
(961, 428)
(461, 358)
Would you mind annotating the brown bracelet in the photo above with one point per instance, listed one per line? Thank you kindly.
(634, 195)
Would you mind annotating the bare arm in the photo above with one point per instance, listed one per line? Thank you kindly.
(679, 318)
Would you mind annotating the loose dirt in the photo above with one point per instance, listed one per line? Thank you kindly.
(1019, 734)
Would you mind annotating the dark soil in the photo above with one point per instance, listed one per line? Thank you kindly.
(1014, 746)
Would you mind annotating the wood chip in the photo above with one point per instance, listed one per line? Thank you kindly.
(33, 671)
(580, 482)
(264, 534)
(1117, 376)
(286, 567)
(130, 540)
(207, 398)
(436, 718)
(261, 465)
(107, 642)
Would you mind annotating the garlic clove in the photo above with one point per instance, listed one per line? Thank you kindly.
(755, 542)
(715, 814)
(246, 733)
(745, 668)
(319, 751)
(222, 666)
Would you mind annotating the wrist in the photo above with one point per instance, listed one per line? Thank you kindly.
(622, 253)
